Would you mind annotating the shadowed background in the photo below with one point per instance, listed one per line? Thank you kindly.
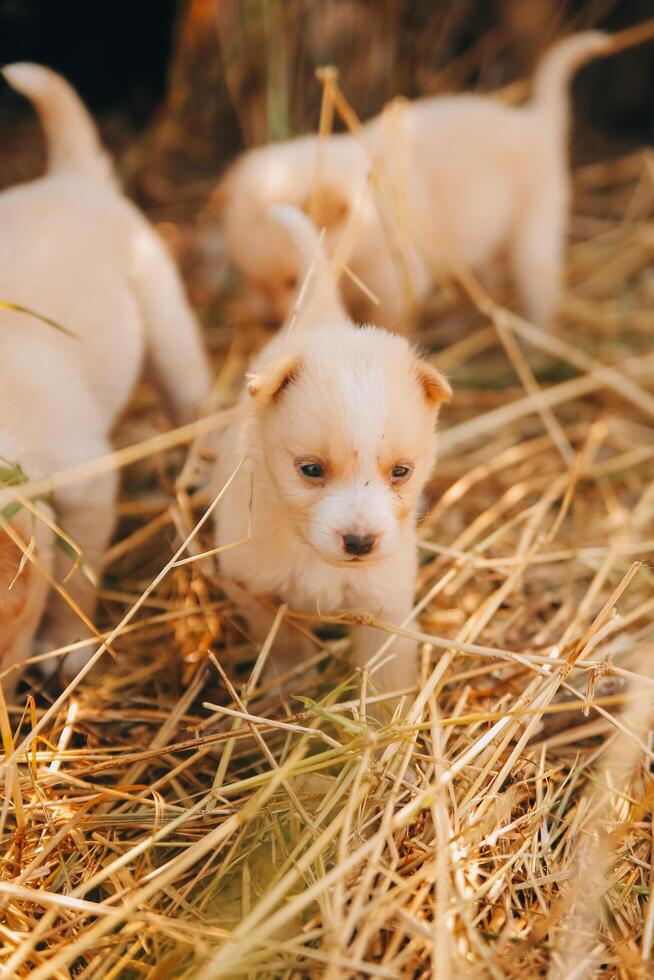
(204, 78)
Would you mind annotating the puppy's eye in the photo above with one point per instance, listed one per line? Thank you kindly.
(313, 471)
(400, 472)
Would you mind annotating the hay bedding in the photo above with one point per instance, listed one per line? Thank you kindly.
(170, 817)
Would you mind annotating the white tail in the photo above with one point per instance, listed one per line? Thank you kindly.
(315, 272)
(553, 74)
(71, 136)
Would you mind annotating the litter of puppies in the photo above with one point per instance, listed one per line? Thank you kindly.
(459, 786)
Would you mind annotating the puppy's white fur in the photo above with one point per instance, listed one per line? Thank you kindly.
(358, 401)
(467, 180)
(75, 250)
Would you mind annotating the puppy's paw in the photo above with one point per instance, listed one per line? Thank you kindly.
(76, 660)
(55, 638)
(49, 665)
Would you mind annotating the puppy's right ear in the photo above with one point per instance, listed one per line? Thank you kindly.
(267, 387)
(435, 386)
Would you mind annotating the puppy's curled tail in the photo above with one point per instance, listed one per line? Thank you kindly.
(71, 137)
(556, 68)
(313, 265)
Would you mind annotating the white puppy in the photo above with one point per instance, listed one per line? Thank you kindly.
(75, 250)
(462, 181)
(339, 442)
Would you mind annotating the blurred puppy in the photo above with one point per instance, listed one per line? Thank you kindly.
(339, 442)
(75, 250)
(462, 181)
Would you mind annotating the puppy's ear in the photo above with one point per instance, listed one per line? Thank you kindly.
(327, 206)
(265, 388)
(435, 385)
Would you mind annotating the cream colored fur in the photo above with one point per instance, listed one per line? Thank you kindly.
(74, 249)
(358, 401)
(465, 180)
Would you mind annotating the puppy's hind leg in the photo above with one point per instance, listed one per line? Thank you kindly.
(536, 256)
(86, 512)
(10, 665)
(174, 345)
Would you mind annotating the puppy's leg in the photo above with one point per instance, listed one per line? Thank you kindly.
(86, 512)
(537, 260)
(399, 663)
(21, 650)
(290, 647)
(174, 345)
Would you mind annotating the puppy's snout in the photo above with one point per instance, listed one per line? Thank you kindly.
(359, 544)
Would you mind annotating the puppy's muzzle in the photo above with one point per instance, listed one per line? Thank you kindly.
(358, 544)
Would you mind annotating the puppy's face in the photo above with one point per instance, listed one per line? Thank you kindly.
(347, 439)
(267, 261)
(272, 291)
(262, 249)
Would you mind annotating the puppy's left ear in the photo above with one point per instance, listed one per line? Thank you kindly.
(435, 385)
(267, 387)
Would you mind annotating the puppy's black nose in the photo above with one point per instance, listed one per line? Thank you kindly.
(358, 544)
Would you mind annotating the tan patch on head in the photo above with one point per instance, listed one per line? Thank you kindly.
(326, 206)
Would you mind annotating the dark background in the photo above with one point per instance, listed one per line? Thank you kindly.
(115, 53)
(235, 72)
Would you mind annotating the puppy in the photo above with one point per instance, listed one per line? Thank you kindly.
(75, 250)
(462, 180)
(339, 442)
